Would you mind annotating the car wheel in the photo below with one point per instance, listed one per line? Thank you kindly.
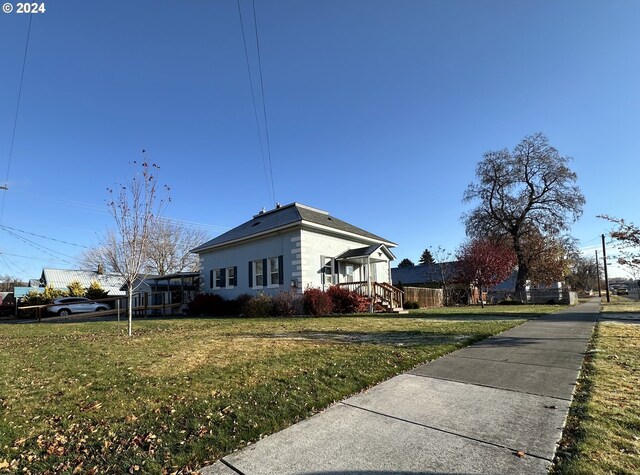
(64, 312)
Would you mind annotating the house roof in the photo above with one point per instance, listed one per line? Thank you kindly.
(282, 217)
(363, 252)
(61, 278)
(423, 273)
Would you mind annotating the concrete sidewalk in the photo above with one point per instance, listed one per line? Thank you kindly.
(497, 407)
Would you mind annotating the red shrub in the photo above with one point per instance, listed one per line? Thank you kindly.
(347, 301)
(316, 302)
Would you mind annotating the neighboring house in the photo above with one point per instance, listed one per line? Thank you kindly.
(60, 279)
(424, 275)
(170, 289)
(296, 247)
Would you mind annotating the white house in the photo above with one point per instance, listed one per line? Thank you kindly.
(295, 247)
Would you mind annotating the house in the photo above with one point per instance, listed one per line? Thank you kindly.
(425, 275)
(60, 279)
(294, 247)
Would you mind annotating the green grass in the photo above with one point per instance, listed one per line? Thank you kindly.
(602, 435)
(620, 304)
(182, 393)
(517, 311)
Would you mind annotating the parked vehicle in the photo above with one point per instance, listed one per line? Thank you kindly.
(622, 291)
(67, 305)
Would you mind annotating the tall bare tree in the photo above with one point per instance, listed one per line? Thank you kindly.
(169, 249)
(167, 253)
(135, 207)
(527, 192)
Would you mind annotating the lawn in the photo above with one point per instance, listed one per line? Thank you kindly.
(620, 304)
(602, 435)
(517, 311)
(181, 393)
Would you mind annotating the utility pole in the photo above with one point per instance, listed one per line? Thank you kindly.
(606, 276)
(598, 274)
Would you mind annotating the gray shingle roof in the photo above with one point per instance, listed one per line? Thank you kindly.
(288, 215)
(423, 273)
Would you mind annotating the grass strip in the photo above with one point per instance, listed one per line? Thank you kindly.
(602, 434)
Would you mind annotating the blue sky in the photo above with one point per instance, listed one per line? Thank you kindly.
(378, 111)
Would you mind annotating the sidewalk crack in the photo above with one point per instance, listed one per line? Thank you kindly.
(445, 431)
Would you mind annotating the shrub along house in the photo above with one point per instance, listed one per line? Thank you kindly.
(295, 247)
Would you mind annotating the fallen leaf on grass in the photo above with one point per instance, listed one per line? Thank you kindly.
(4, 464)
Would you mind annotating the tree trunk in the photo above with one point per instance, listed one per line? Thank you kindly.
(130, 307)
(523, 267)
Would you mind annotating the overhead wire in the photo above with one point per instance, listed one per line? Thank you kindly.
(2, 226)
(37, 246)
(15, 118)
(264, 102)
(265, 162)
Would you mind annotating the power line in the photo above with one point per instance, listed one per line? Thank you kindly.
(15, 119)
(39, 247)
(41, 236)
(264, 106)
(266, 165)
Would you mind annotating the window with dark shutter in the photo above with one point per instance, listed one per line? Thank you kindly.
(211, 279)
(250, 274)
(223, 278)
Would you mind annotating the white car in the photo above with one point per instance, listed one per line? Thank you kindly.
(64, 306)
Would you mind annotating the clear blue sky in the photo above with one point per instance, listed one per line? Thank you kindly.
(378, 111)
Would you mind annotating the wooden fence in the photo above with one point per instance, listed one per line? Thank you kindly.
(425, 297)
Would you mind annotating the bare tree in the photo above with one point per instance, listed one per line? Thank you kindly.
(627, 235)
(135, 207)
(169, 249)
(98, 257)
(528, 191)
(167, 253)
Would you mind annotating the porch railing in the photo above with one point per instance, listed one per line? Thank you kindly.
(381, 292)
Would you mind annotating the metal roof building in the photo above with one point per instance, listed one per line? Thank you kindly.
(61, 278)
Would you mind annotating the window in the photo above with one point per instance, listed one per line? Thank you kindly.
(258, 273)
(327, 270)
(266, 272)
(217, 278)
(231, 276)
(274, 271)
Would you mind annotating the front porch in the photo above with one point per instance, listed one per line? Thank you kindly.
(372, 265)
(384, 297)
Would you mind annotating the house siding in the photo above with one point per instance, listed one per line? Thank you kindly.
(315, 245)
(239, 255)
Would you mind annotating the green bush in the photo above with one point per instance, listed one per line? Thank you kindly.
(95, 291)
